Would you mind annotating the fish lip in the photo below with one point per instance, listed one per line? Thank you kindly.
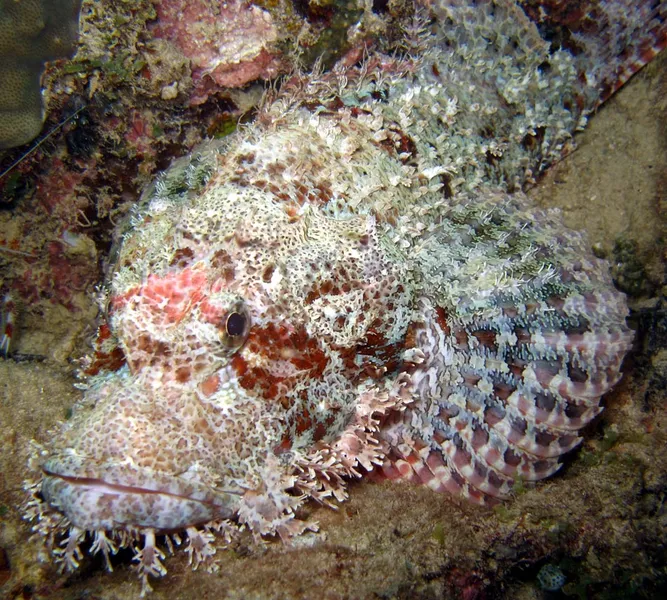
(101, 484)
(123, 497)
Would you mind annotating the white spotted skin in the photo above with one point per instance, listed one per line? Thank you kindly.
(354, 282)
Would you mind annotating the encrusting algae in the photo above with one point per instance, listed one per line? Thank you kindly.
(354, 283)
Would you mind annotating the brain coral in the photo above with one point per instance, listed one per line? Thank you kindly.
(32, 32)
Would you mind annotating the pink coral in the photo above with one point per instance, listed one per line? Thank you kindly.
(229, 44)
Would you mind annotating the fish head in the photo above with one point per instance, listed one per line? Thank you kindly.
(252, 326)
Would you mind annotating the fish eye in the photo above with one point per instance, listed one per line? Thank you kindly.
(236, 326)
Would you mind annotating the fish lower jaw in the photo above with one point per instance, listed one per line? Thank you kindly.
(94, 504)
(80, 516)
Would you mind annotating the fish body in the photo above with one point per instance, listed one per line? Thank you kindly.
(355, 282)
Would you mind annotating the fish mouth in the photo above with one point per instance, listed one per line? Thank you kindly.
(124, 496)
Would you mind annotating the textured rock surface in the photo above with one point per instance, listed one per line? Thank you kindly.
(228, 44)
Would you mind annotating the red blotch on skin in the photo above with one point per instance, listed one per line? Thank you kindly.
(441, 319)
(172, 296)
(209, 386)
(108, 356)
(276, 348)
(303, 421)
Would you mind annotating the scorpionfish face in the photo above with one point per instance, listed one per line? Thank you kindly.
(250, 326)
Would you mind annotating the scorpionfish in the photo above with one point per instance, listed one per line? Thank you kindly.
(355, 282)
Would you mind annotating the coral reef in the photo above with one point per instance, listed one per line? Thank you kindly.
(227, 44)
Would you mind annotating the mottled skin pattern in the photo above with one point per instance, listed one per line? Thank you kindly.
(346, 285)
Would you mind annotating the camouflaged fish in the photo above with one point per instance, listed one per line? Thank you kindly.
(354, 283)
